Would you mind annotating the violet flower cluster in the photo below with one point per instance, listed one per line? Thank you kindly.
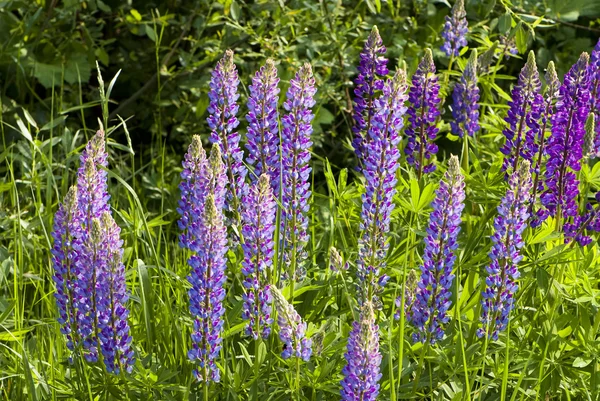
(423, 112)
(362, 373)
(523, 130)
(465, 108)
(564, 148)
(432, 298)
(507, 240)
(292, 330)
(381, 163)
(258, 217)
(295, 154)
(594, 76)
(263, 126)
(371, 70)
(222, 121)
(208, 262)
(455, 30)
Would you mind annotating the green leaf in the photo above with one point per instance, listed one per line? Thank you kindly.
(504, 23)
(136, 14)
(580, 362)
(521, 38)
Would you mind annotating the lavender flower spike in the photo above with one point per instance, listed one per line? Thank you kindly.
(455, 30)
(465, 109)
(292, 330)
(594, 76)
(258, 217)
(295, 153)
(372, 67)
(523, 117)
(66, 234)
(380, 168)
(507, 240)
(263, 126)
(432, 300)
(564, 148)
(111, 291)
(361, 373)
(423, 113)
(222, 121)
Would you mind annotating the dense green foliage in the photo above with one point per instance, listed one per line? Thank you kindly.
(156, 59)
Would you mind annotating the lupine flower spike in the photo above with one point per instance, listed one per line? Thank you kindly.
(207, 276)
(507, 240)
(292, 330)
(564, 147)
(263, 126)
(465, 108)
(523, 117)
(594, 76)
(423, 111)
(295, 153)
(432, 298)
(65, 260)
(258, 216)
(361, 373)
(222, 121)
(371, 70)
(455, 30)
(380, 168)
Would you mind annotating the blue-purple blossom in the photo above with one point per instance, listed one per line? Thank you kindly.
(465, 107)
(258, 217)
(372, 68)
(423, 112)
(361, 373)
(507, 240)
(594, 76)
(263, 125)
(295, 154)
(455, 30)
(65, 258)
(292, 330)
(222, 121)
(523, 118)
(380, 167)
(207, 276)
(564, 147)
(432, 298)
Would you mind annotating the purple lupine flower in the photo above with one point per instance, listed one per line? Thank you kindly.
(550, 94)
(455, 30)
(423, 112)
(66, 235)
(207, 275)
(371, 69)
(258, 216)
(564, 148)
(222, 121)
(507, 240)
(432, 298)
(523, 117)
(594, 76)
(508, 44)
(111, 296)
(194, 188)
(292, 330)
(295, 154)
(263, 126)
(381, 163)
(92, 185)
(361, 373)
(465, 108)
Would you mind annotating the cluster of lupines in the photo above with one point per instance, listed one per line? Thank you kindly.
(455, 30)
(89, 275)
(295, 156)
(263, 127)
(361, 373)
(507, 240)
(523, 130)
(465, 108)
(423, 112)
(258, 217)
(292, 330)
(432, 299)
(371, 70)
